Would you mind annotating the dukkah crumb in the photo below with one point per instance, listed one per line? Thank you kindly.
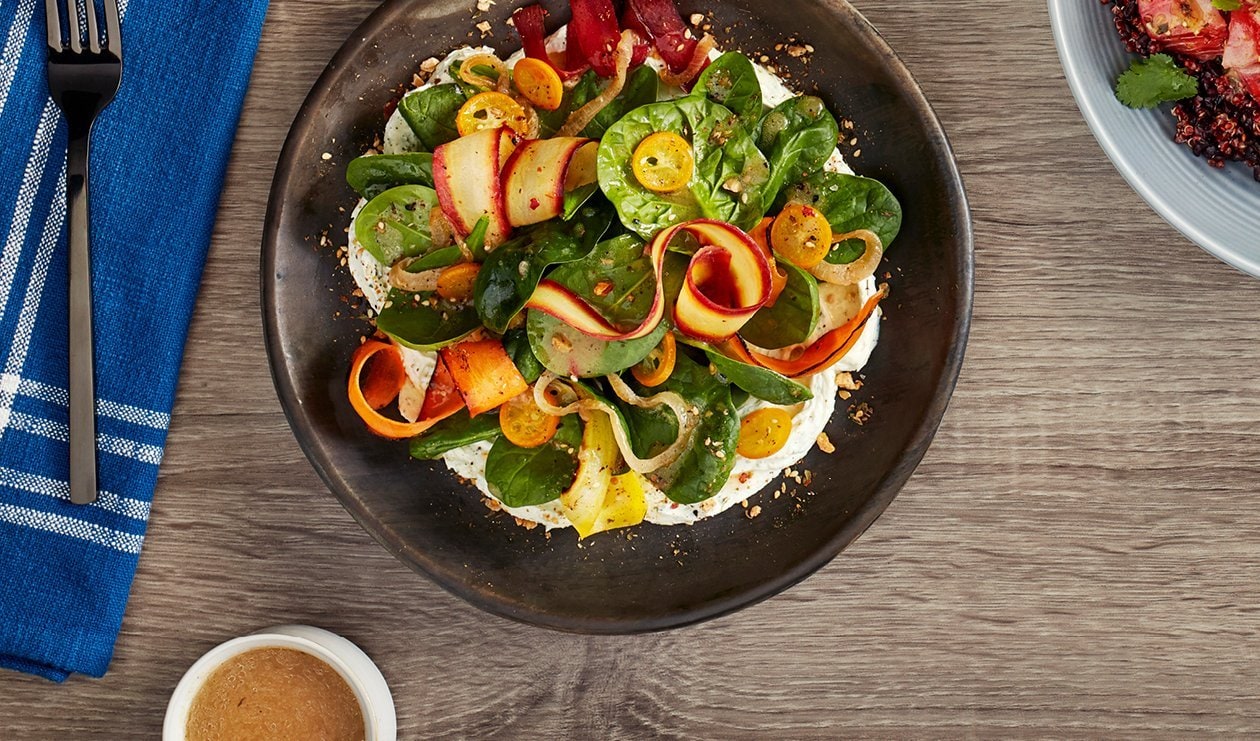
(492, 504)
(697, 19)
(846, 381)
(753, 511)
(825, 444)
(484, 28)
(484, 5)
(860, 413)
(527, 524)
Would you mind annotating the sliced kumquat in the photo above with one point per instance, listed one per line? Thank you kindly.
(539, 83)
(524, 424)
(801, 235)
(764, 432)
(658, 366)
(490, 111)
(456, 282)
(663, 162)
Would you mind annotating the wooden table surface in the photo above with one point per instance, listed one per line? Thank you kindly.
(1078, 554)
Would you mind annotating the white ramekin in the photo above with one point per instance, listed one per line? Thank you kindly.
(346, 658)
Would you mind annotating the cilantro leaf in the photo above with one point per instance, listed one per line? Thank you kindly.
(1227, 4)
(1149, 82)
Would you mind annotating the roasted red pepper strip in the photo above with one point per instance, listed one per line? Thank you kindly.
(659, 22)
(529, 23)
(824, 353)
(593, 35)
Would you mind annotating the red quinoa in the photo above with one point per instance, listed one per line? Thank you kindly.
(1222, 122)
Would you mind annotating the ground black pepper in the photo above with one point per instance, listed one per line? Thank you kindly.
(1219, 124)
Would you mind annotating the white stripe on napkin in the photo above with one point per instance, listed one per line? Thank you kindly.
(62, 525)
(31, 300)
(31, 179)
(57, 489)
(59, 396)
(150, 454)
(12, 53)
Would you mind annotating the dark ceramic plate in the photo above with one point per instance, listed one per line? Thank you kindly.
(660, 577)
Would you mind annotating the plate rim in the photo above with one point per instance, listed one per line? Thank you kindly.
(886, 489)
(1074, 71)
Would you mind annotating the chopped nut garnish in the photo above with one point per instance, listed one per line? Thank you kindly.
(860, 414)
(484, 28)
(824, 443)
(733, 184)
(845, 380)
(326, 156)
(603, 288)
(428, 65)
(796, 51)
(697, 19)
(753, 511)
(561, 344)
(484, 5)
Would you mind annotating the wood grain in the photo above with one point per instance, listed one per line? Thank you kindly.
(1077, 556)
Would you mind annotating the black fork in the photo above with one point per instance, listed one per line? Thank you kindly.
(84, 69)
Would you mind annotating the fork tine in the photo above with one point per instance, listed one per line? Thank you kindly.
(113, 38)
(53, 18)
(76, 43)
(94, 36)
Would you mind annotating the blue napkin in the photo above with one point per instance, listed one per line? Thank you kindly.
(158, 157)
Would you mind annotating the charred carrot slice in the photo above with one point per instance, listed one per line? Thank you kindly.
(484, 374)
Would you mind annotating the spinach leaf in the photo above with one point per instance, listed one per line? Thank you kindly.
(732, 81)
(511, 272)
(520, 477)
(798, 136)
(374, 174)
(395, 224)
(792, 318)
(641, 88)
(850, 202)
(431, 113)
(454, 432)
(760, 382)
(439, 258)
(516, 343)
(706, 463)
(426, 321)
(574, 199)
(617, 279)
(728, 182)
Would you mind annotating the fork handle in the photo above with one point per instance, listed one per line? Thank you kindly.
(82, 376)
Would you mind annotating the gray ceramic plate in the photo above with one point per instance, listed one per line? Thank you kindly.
(660, 577)
(1217, 209)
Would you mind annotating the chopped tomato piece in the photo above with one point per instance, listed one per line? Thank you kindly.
(441, 398)
(1190, 27)
(524, 424)
(1242, 52)
(484, 373)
